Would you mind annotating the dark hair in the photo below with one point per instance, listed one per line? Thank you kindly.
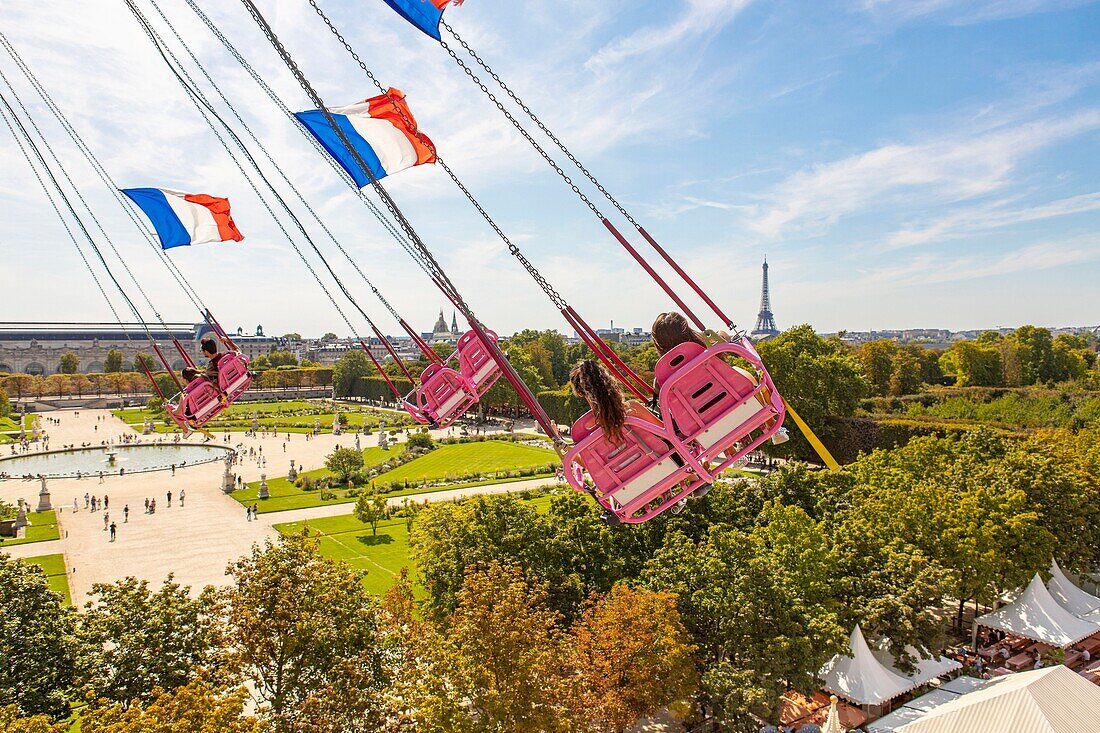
(592, 382)
(190, 373)
(672, 329)
(209, 346)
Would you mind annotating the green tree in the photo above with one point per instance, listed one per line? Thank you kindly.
(906, 377)
(370, 510)
(5, 404)
(197, 707)
(1037, 354)
(974, 364)
(305, 634)
(329, 337)
(148, 359)
(282, 358)
(633, 657)
(113, 362)
(351, 367)
(344, 462)
(126, 621)
(37, 670)
(748, 616)
(70, 363)
(878, 358)
(292, 337)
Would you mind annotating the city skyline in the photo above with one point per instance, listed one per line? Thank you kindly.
(937, 204)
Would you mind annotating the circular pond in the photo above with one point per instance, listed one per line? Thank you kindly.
(110, 460)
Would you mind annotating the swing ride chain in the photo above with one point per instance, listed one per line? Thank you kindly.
(436, 270)
(104, 176)
(385, 222)
(263, 149)
(469, 72)
(534, 118)
(80, 197)
(200, 102)
(555, 297)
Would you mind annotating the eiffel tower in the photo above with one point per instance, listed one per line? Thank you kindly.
(765, 321)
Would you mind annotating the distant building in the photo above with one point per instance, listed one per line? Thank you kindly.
(37, 347)
(442, 333)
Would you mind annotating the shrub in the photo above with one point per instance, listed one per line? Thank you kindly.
(420, 440)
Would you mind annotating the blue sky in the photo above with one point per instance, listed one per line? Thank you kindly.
(928, 163)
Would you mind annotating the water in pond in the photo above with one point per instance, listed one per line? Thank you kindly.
(91, 461)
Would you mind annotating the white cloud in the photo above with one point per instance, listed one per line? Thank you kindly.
(986, 217)
(700, 17)
(946, 169)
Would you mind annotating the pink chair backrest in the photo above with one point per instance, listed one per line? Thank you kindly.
(474, 360)
(443, 392)
(233, 375)
(704, 389)
(613, 463)
(203, 400)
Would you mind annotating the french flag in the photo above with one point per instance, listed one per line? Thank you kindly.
(382, 130)
(185, 218)
(424, 14)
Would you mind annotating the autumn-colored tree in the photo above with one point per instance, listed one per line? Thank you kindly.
(498, 665)
(633, 657)
(11, 722)
(19, 385)
(300, 627)
(79, 384)
(197, 707)
(57, 384)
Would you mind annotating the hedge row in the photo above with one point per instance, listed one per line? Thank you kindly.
(847, 437)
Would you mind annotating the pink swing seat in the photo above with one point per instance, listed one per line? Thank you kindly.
(635, 478)
(712, 415)
(204, 400)
(714, 410)
(444, 393)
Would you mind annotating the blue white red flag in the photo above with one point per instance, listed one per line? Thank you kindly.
(382, 131)
(424, 14)
(185, 218)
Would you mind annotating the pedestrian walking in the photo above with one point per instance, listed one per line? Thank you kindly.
(101, 477)
(106, 520)
(76, 505)
(169, 499)
(106, 499)
(173, 469)
(248, 513)
(87, 500)
(147, 505)
(255, 512)
(113, 530)
(126, 514)
(93, 503)
(183, 495)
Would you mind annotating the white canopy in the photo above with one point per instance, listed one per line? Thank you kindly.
(1070, 597)
(916, 708)
(927, 669)
(1050, 700)
(1036, 615)
(860, 677)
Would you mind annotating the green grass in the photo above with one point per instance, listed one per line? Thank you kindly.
(453, 461)
(6, 423)
(466, 459)
(42, 528)
(281, 415)
(382, 556)
(54, 568)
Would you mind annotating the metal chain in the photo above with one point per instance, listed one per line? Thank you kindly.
(203, 106)
(64, 223)
(534, 118)
(101, 172)
(80, 197)
(555, 297)
(436, 270)
(275, 165)
(72, 211)
(469, 72)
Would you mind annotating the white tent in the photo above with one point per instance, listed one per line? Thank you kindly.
(1050, 700)
(1070, 597)
(1036, 615)
(927, 669)
(861, 678)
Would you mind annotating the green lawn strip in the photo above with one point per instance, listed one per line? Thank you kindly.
(464, 459)
(42, 528)
(281, 487)
(54, 568)
(382, 555)
(6, 423)
(309, 499)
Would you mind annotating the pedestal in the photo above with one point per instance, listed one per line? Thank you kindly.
(264, 494)
(292, 474)
(21, 517)
(44, 504)
(228, 482)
